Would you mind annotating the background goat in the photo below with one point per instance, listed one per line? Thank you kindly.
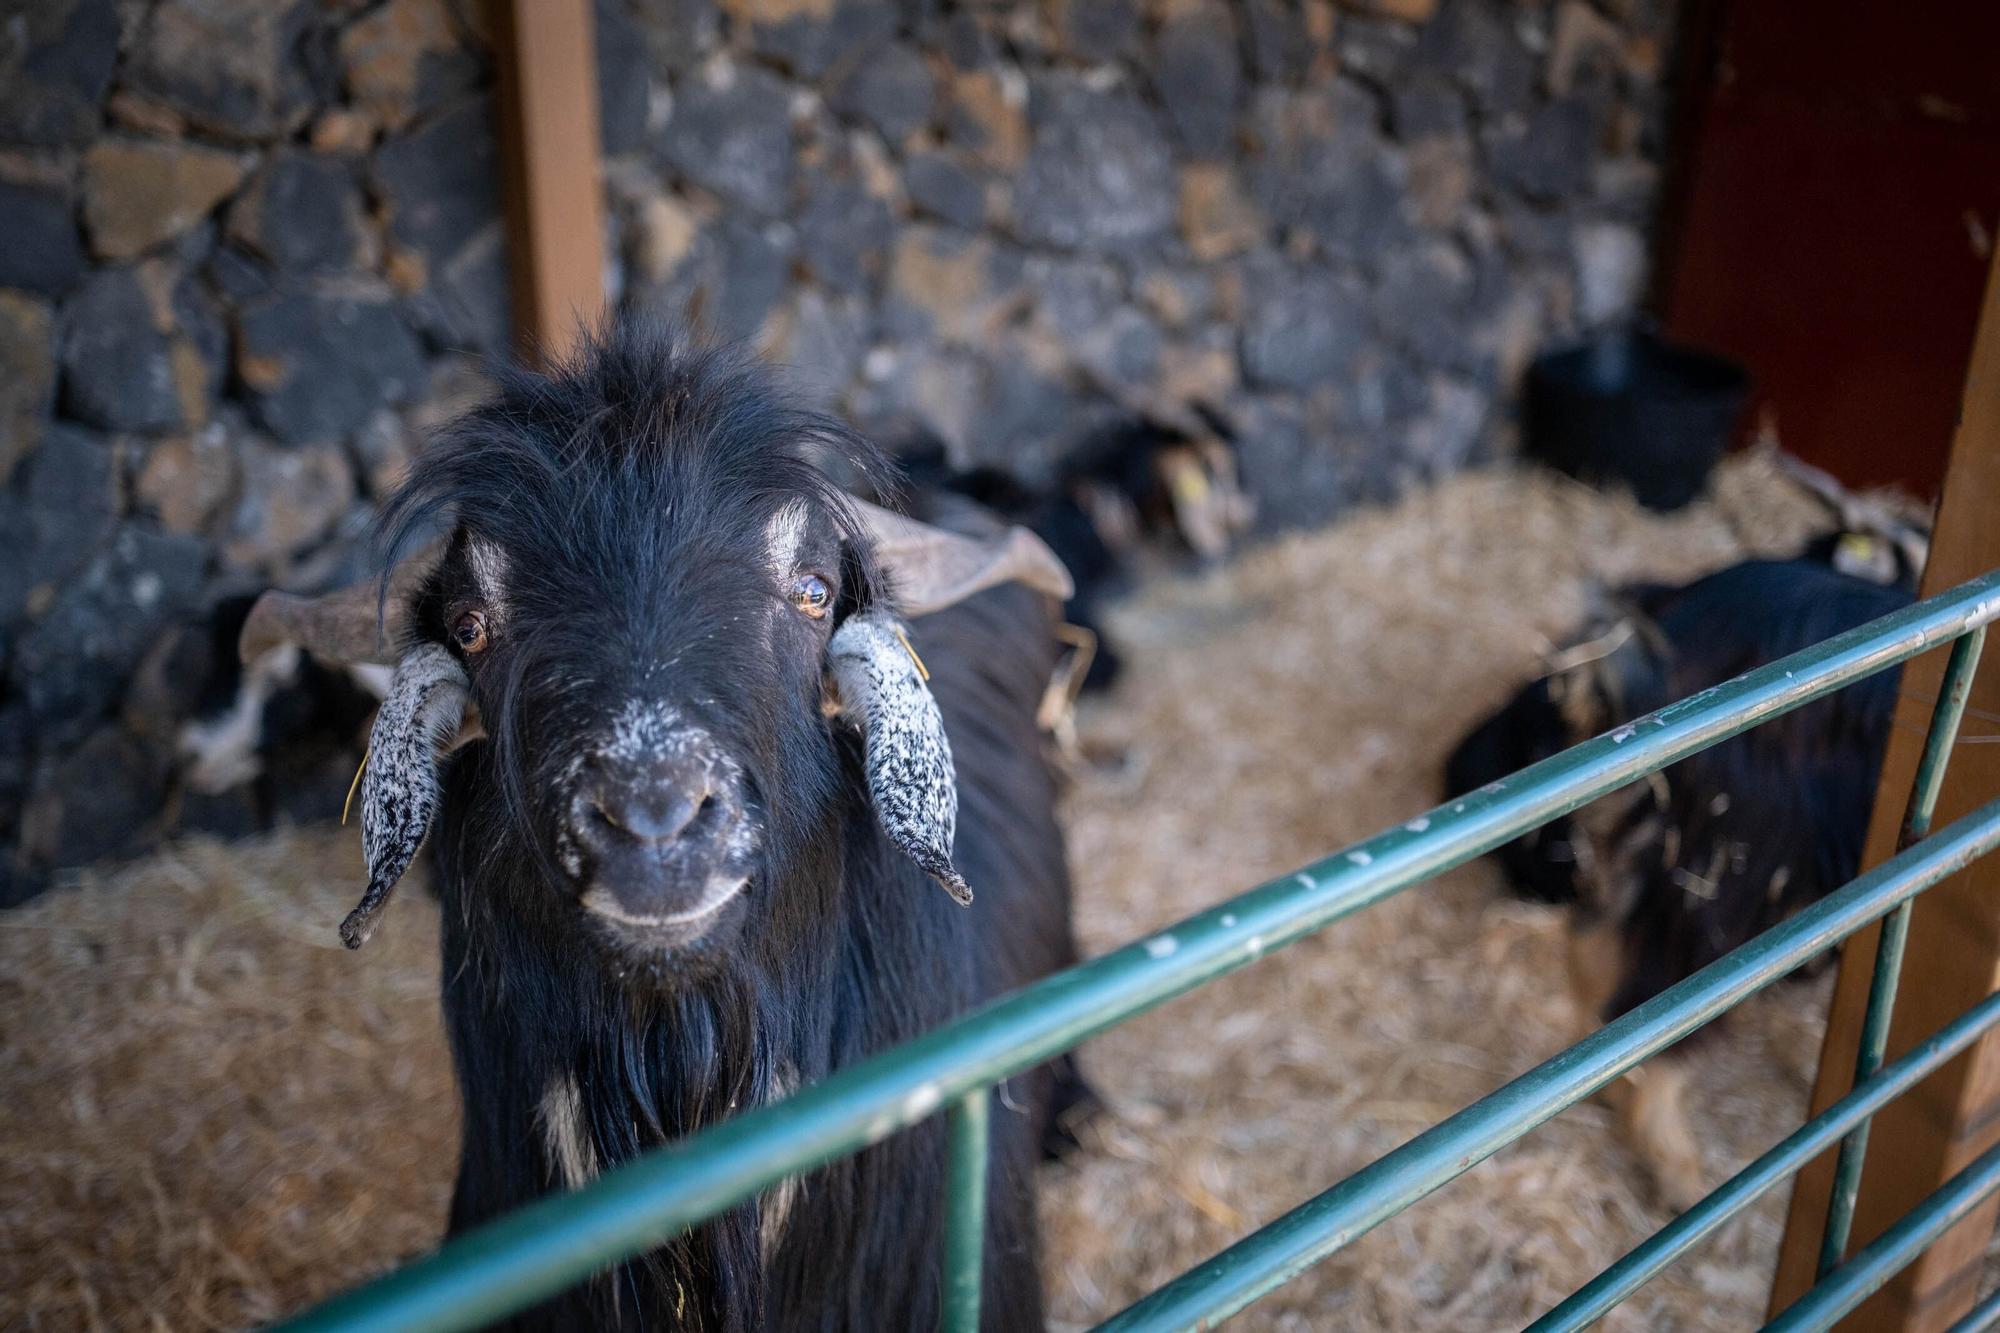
(1669, 875)
(278, 735)
(687, 867)
(1131, 488)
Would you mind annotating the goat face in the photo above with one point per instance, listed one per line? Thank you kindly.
(681, 641)
(652, 674)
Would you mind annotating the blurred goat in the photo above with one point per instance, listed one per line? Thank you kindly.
(259, 728)
(1130, 488)
(1667, 875)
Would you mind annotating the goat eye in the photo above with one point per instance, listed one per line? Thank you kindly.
(811, 595)
(469, 632)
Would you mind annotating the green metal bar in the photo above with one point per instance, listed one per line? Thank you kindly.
(1651, 1256)
(546, 1246)
(1946, 715)
(1890, 1253)
(1868, 1058)
(1285, 1248)
(1882, 983)
(1981, 1318)
(965, 1223)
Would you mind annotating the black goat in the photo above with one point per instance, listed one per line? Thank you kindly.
(1668, 643)
(1669, 875)
(1128, 483)
(687, 867)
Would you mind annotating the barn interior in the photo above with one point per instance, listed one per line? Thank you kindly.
(1313, 264)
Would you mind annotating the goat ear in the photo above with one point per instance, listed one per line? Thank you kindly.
(934, 568)
(399, 792)
(910, 778)
(342, 626)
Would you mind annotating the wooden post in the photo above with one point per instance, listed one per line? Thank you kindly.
(1953, 957)
(553, 177)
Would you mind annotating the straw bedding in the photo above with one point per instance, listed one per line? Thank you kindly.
(215, 1114)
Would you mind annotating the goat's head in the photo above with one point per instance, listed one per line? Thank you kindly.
(667, 615)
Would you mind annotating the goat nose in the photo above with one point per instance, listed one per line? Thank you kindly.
(648, 801)
(650, 812)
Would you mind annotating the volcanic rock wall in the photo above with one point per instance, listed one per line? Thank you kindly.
(251, 250)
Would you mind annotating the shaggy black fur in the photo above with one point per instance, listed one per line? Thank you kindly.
(630, 492)
(1750, 830)
(1771, 820)
(1541, 863)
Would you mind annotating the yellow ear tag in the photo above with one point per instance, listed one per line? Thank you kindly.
(355, 785)
(1189, 484)
(904, 639)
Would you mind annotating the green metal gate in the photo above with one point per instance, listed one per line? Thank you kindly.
(547, 1246)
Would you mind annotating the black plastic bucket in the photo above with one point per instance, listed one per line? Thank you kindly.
(1630, 408)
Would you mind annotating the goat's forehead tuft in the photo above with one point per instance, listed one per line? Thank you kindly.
(640, 438)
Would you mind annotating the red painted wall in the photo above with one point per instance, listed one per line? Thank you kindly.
(1835, 215)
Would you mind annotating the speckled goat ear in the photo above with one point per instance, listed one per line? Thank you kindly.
(910, 777)
(399, 791)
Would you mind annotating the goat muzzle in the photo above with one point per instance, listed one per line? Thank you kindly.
(657, 835)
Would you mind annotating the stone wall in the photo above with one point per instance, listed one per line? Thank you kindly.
(247, 249)
(250, 249)
(1346, 225)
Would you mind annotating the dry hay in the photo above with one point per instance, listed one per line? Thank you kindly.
(215, 1114)
(1299, 700)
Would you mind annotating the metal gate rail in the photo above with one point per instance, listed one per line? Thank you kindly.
(546, 1246)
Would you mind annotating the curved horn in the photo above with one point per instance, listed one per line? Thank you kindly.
(934, 569)
(342, 625)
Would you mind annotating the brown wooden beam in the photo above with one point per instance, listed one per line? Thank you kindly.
(1953, 957)
(553, 176)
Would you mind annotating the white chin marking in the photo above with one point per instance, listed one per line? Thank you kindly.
(774, 1205)
(717, 894)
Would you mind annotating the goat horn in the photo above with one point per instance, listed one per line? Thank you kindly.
(934, 569)
(346, 625)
